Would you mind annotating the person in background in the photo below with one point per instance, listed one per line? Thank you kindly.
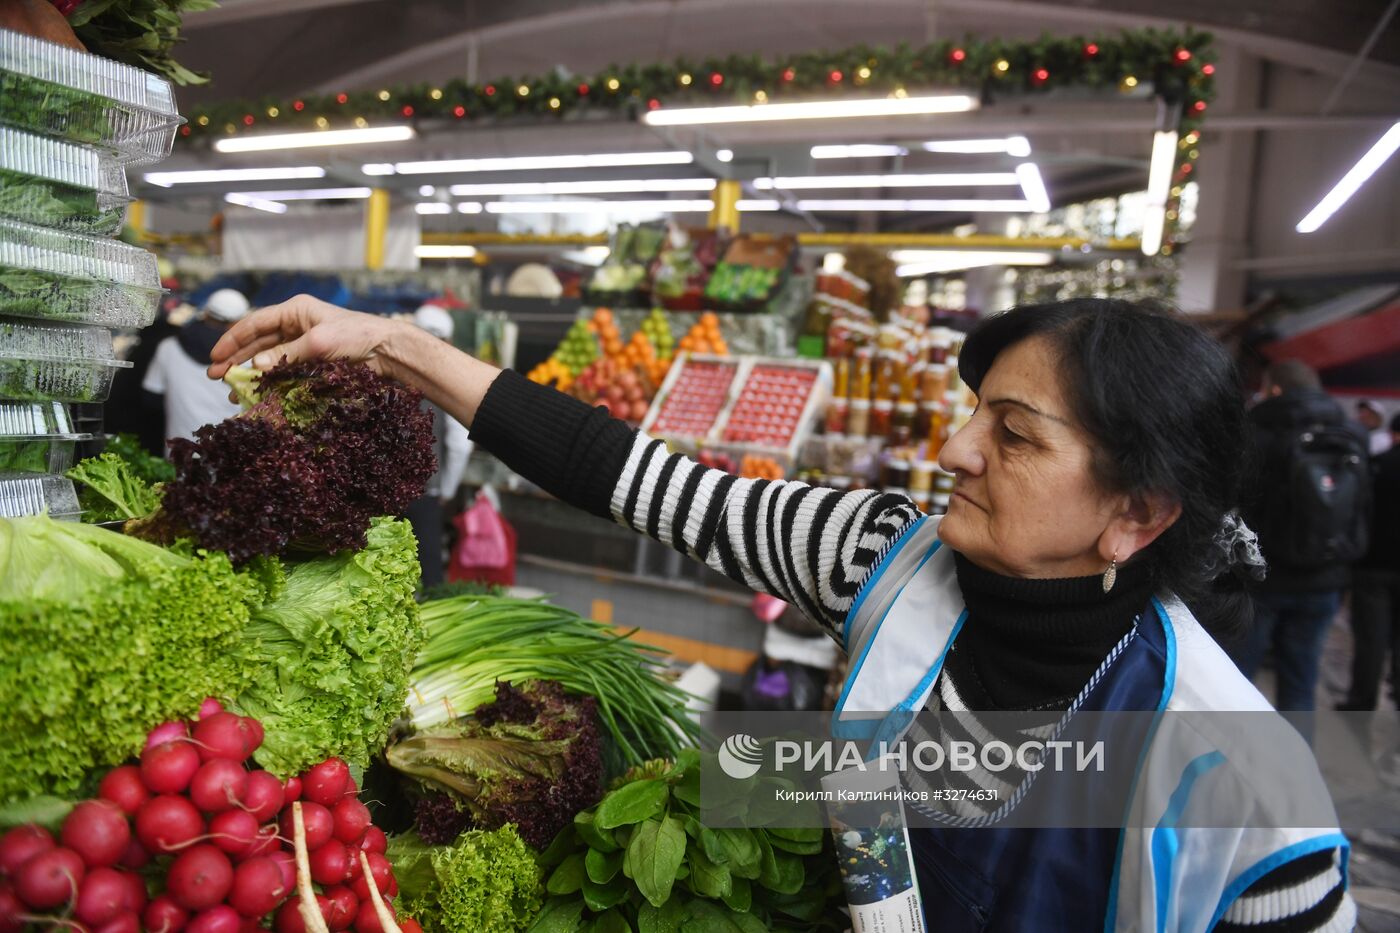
(1373, 420)
(1375, 593)
(175, 381)
(453, 448)
(1300, 435)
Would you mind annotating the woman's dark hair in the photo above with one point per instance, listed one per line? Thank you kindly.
(1164, 404)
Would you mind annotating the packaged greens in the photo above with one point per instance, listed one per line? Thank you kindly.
(56, 362)
(36, 437)
(58, 276)
(57, 184)
(36, 495)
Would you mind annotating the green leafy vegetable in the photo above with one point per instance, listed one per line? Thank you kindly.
(143, 33)
(27, 456)
(55, 110)
(148, 468)
(52, 203)
(111, 490)
(483, 881)
(52, 380)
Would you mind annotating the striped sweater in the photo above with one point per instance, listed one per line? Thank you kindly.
(808, 546)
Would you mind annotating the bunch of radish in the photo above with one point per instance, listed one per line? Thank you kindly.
(226, 849)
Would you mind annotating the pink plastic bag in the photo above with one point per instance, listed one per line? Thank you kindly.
(485, 550)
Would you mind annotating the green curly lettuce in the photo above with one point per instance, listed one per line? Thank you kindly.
(331, 651)
(111, 490)
(144, 465)
(107, 637)
(483, 881)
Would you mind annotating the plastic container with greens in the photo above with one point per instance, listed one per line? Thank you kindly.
(58, 91)
(56, 362)
(34, 495)
(37, 437)
(77, 279)
(58, 184)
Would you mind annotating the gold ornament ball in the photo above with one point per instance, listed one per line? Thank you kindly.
(685, 79)
(523, 90)
(383, 95)
(554, 103)
(863, 73)
(273, 112)
(1003, 66)
(435, 93)
(614, 84)
(322, 122)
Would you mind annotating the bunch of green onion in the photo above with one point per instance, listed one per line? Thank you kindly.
(474, 641)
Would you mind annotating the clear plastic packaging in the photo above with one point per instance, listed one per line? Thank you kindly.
(57, 91)
(56, 363)
(37, 437)
(57, 276)
(34, 495)
(58, 184)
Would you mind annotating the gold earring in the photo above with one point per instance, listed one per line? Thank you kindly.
(1110, 576)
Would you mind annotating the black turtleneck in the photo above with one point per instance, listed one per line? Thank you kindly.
(1033, 644)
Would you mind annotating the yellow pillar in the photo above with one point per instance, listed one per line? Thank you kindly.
(376, 227)
(725, 198)
(136, 218)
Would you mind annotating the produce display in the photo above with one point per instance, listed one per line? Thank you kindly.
(36, 494)
(36, 437)
(705, 337)
(622, 278)
(622, 377)
(738, 285)
(690, 405)
(770, 406)
(44, 362)
(57, 184)
(111, 491)
(681, 271)
(483, 880)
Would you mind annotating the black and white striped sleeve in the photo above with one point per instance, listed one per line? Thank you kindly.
(810, 547)
(1306, 895)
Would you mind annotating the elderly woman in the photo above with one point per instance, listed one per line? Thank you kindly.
(1094, 503)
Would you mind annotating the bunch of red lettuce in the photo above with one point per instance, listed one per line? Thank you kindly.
(325, 447)
(532, 758)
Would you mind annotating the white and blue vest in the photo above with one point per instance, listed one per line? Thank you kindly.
(1162, 871)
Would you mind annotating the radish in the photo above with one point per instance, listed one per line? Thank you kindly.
(289, 915)
(20, 845)
(50, 879)
(383, 877)
(324, 783)
(97, 830)
(352, 821)
(168, 768)
(10, 910)
(264, 795)
(199, 878)
(223, 735)
(219, 919)
(102, 896)
(266, 843)
(255, 733)
(136, 895)
(375, 841)
(286, 863)
(292, 789)
(409, 925)
(166, 732)
(367, 920)
(344, 907)
(124, 788)
(320, 825)
(330, 864)
(234, 832)
(258, 887)
(167, 824)
(163, 915)
(218, 785)
(135, 856)
(121, 923)
(209, 707)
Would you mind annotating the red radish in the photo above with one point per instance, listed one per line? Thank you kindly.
(223, 735)
(168, 768)
(383, 877)
(209, 707)
(10, 910)
(199, 878)
(375, 841)
(352, 821)
(409, 925)
(344, 907)
(324, 783)
(219, 919)
(292, 789)
(167, 823)
(102, 896)
(289, 915)
(266, 843)
(218, 785)
(121, 923)
(166, 732)
(163, 915)
(20, 845)
(367, 920)
(234, 832)
(264, 795)
(136, 895)
(330, 864)
(135, 856)
(319, 823)
(97, 830)
(124, 788)
(258, 887)
(50, 879)
(255, 733)
(286, 863)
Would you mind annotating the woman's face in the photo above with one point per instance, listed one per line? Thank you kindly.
(1026, 503)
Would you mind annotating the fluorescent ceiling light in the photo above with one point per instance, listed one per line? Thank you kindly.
(812, 110)
(724, 155)
(944, 180)
(1017, 146)
(469, 207)
(425, 251)
(427, 191)
(604, 186)
(596, 207)
(932, 262)
(588, 256)
(1374, 158)
(530, 163)
(310, 194)
(316, 139)
(1159, 183)
(256, 203)
(972, 205)
(214, 176)
(433, 207)
(859, 151)
(1033, 187)
(758, 204)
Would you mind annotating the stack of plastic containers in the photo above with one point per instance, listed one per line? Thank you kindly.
(70, 123)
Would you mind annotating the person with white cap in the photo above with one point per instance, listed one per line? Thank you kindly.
(176, 380)
(453, 447)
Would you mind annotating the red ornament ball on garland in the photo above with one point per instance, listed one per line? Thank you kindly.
(958, 55)
(582, 90)
(1182, 55)
(185, 131)
(407, 110)
(1207, 69)
(653, 104)
(342, 97)
(716, 79)
(1091, 49)
(247, 119)
(789, 74)
(835, 76)
(490, 90)
(1040, 75)
(1186, 169)
(298, 105)
(459, 111)
(1199, 106)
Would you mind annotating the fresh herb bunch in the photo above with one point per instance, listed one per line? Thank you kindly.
(35, 294)
(143, 33)
(486, 880)
(55, 204)
(54, 110)
(111, 490)
(641, 860)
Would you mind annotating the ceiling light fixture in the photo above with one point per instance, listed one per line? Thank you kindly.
(968, 205)
(758, 204)
(812, 110)
(1017, 146)
(310, 194)
(858, 151)
(724, 155)
(427, 251)
(316, 139)
(1033, 187)
(469, 207)
(1159, 183)
(1367, 166)
(529, 163)
(943, 180)
(433, 207)
(597, 207)
(915, 262)
(603, 186)
(256, 203)
(214, 176)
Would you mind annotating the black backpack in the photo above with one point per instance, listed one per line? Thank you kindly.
(1319, 513)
